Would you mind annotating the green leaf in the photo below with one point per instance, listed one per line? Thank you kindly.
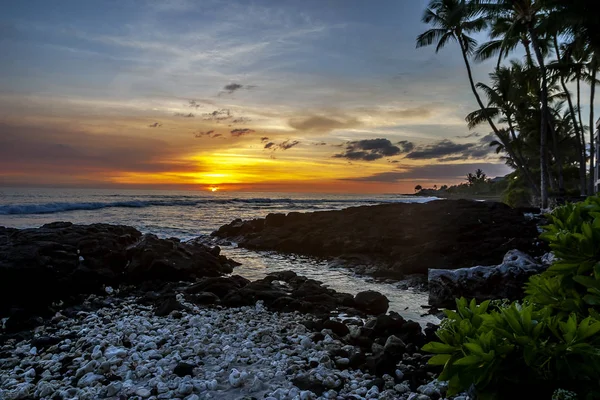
(474, 348)
(439, 359)
(468, 360)
(439, 348)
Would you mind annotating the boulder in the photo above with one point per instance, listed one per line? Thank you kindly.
(503, 281)
(371, 302)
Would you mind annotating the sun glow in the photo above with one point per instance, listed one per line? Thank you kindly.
(213, 189)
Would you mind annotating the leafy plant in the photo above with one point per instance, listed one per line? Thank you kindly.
(547, 341)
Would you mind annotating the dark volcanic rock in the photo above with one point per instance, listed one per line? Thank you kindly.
(61, 261)
(401, 238)
(504, 281)
(371, 302)
(182, 369)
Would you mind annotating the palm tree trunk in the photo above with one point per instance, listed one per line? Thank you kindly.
(524, 169)
(582, 133)
(576, 126)
(525, 43)
(558, 159)
(544, 118)
(592, 127)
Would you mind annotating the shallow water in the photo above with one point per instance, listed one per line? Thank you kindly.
(255, 265)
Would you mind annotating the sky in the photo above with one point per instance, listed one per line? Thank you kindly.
(298, 96)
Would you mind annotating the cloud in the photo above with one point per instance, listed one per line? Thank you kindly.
(179, 114)
(285, 145)
(217, 115)
(470, 135)
(322, 124)
(241, 132)
(435, 172)
(406, 146)
(447, 150)
(155, 125)
(232, 87)
(193, 104)
(241, 120)
(440, 149)
(371, 149)
(42, 151)
(264, 139)
(210, 134)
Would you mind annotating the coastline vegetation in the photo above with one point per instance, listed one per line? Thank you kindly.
(548, 342)
(532, 105)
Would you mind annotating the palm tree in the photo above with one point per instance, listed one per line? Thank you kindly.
(507, 97)
(564, 70)
(590, 77)
(454, 21)
(526, 16)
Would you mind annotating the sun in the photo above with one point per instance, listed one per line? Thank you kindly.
(213, 189)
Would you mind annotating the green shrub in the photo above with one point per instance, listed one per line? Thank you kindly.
(547, 341)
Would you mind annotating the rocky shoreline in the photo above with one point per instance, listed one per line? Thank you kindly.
(102, 311)
(396, 240)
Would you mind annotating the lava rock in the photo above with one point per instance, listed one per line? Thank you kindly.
(371, 302)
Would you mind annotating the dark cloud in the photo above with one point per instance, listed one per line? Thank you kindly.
(189, 115)
(241, 120)
(285, 145)
(406, 146)
(155, 125)
(438, 150)
(436, 171)
(232, 87)
(370, 150)
(447, 150)
(241, 132)
(322, 123)
(288, 144)
(470, 135)
(217, 115)
(210, 134)
(264, 139)
(194, 104)
(320, 144)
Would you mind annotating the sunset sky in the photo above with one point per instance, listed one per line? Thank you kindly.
(311, 95)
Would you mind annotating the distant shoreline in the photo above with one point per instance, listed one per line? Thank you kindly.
(458, 196)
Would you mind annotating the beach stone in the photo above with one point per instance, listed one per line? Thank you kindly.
(394, 346)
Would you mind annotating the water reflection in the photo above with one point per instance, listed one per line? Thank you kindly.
(255, 265)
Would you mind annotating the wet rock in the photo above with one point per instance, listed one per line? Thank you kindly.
(371, 302)
(503, 281)
(63, 262)
(396, 240)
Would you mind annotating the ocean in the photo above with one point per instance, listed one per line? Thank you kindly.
(188, 214)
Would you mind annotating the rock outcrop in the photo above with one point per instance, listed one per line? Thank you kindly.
(503, 281)
(401, 239)
(60, 260)
(285, 291)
